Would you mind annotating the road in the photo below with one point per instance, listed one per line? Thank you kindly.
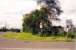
(29, 49)
(8, 44)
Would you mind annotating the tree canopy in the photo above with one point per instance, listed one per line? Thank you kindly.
(51, 5)
(31, 21)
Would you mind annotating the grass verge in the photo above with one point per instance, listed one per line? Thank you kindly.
(30, 37)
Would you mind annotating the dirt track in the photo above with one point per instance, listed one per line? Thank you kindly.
(5, 43)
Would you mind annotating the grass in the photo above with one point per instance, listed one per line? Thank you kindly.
(30, 37)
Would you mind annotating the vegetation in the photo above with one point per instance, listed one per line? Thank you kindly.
(42, 17)
(30, 37)
(37, 25)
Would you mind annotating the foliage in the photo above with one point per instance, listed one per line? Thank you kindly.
(3, 29)
(31, 21)
(51, 5)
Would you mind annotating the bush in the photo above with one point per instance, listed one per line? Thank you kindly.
(71, 35)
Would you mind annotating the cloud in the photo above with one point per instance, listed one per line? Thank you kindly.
(11, 11)
(69, 10)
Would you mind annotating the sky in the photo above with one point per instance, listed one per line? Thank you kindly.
(69, 10)
(11, 11)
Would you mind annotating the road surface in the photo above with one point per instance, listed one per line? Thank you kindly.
(8, 44)
(30, 49)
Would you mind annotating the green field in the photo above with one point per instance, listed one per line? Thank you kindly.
(30, 37)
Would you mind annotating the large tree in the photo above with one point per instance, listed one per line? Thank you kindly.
(53, 6)
(32, 21)
(49, 10)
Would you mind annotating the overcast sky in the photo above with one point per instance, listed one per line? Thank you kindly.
(11, 11)
(69, 10)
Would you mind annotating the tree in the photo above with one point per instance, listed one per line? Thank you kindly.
(52, 9)
(26, 22)
(52, 5)
(33, 20)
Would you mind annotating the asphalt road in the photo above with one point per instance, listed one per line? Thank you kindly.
(6, 44)
(30, 49)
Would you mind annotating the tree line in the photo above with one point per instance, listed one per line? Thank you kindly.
(40, 21)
